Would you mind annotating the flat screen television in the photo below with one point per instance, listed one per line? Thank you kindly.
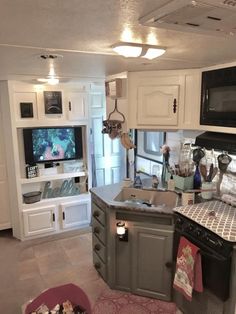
(45, 145)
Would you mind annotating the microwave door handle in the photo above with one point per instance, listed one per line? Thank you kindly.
(213, 256)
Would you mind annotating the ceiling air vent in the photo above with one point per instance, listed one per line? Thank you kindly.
(230, 3)
(194, 16)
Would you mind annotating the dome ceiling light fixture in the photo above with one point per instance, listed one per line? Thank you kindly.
(134, 50)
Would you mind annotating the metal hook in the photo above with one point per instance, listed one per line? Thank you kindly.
(116, 110)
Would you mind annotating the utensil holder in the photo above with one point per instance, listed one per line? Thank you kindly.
(182, 183)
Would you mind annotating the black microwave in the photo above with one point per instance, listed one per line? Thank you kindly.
(218, 97)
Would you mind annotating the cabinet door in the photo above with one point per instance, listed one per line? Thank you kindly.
(151, 258)
(77, 105)
(39, 220)
(75, 214)
(158, 105)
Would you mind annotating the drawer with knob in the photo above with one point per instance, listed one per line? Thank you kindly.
(99, 266)
(99, 231)
(98, 214)
(99, 249)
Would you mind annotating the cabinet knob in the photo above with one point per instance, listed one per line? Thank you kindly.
(174, 105)
(96, 230)
(97, 247)
(96, 213)
(97, 265)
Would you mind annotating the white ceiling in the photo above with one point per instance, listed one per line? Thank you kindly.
(83, 31)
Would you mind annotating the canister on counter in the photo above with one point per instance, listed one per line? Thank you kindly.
(188, 198)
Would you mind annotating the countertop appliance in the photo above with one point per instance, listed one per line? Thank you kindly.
(218, 97)
(216, 245)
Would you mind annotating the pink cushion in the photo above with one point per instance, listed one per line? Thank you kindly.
(58, 295)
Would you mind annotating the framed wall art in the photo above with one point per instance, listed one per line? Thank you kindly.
(53, 102)
(26, 110)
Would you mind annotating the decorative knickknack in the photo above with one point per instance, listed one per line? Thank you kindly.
(165, 149)
(68, 188)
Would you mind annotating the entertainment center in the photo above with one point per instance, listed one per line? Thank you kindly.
(50, 154)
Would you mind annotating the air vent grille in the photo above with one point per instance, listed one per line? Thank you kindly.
(231, 3)
(195, 16)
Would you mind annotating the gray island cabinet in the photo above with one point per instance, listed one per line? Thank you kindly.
(141, 265)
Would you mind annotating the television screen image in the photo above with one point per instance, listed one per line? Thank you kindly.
(52, 144)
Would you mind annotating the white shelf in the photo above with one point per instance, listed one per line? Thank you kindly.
(57, 200)
(57, 176)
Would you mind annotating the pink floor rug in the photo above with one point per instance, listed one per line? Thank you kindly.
(117, 302)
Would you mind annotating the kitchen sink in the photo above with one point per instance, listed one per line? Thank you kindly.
(151, 198)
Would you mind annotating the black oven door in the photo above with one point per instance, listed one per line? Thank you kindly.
(215, 267)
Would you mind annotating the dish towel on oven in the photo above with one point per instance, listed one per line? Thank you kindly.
(188, 274)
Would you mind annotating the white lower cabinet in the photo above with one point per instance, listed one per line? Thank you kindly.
(56, 218)
(74, 213)
(39, 220)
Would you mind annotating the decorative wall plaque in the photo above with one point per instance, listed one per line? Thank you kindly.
(52, 102)
(31, 171)
(26, 110)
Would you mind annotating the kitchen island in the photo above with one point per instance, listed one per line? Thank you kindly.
(144, 264)
(140, 262)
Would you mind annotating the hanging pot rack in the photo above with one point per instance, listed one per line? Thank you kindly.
(113, 127)
(114, 111)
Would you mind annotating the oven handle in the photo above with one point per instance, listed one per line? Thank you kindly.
(219, 258)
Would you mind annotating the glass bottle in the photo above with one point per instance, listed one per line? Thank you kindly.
(197, 178)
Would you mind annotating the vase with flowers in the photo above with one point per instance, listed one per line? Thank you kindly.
(165, 150)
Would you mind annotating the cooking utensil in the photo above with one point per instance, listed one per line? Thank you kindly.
(198, 154)
(223, 161)
(214, 173)
(209, 176)
(203, 171)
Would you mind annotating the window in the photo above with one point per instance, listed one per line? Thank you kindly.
(152, 142)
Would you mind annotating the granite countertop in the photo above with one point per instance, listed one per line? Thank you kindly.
(107, 193)
(216, 216)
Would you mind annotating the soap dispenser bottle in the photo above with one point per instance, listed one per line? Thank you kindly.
(171, 183)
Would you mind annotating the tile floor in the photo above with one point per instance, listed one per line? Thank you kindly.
(29, 267)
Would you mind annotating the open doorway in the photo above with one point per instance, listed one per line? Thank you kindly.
(107, 155)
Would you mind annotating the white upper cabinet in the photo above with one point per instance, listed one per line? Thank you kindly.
(35, 105)
(157, 105)
(77, 105)
(163, 99)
